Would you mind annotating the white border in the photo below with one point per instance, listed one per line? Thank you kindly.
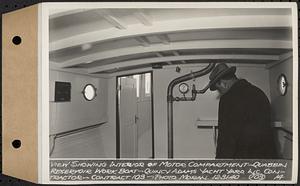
(39, 64)
(93, 5)
(44, 76)
(295, 92)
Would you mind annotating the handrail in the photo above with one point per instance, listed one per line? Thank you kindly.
(69, 132)
(285, 130)
(74, 131)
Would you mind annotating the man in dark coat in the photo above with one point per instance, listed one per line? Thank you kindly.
(244, 117)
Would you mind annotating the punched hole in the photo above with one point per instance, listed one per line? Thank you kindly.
(17, 40)
(16, 144)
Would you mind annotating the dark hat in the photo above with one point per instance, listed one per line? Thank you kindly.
(218, 72)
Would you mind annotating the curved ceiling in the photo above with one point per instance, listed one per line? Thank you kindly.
(112, 40)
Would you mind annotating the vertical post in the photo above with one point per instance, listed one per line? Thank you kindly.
(170, 128)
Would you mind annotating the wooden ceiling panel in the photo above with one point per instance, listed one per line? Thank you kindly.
(173, 26)
(248, 33)
(249, 51)
(202, 44)
(76, 52)
(260, 59)
(113, 40)
(171, 14)
(117, 60)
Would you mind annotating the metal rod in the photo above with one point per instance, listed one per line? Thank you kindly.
(53, 137)
(170, 129)
(203, 90)
(285, 130)
(170, 100)
(74, 131)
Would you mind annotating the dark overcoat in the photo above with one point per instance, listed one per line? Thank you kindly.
(245, 124)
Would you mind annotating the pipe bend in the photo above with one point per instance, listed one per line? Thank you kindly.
(187, 77)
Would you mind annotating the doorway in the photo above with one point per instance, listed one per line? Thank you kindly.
(135, 137)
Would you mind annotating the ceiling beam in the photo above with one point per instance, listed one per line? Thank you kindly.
(286, 56)
(163, 38)
(143, 18)
(172, 26)
(129, 63)
(184, 45)
(196, 65)
(158, 54)
(282, 58)
(143, 40)
(111, 19)
(62, 12)
(176, 53)
(81, 71)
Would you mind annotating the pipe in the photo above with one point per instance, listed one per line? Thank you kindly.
(201, 91)
(170, 99)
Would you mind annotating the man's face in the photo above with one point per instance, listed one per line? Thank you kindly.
(221, 87)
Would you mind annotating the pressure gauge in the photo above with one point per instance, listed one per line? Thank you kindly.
(282, 84)
(184, 88)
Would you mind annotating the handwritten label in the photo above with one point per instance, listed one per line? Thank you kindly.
(169, 170)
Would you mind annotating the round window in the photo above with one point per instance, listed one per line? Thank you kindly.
(89, 92)
(282, 84)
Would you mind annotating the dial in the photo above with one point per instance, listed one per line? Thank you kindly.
(184, 88)
(282, 84)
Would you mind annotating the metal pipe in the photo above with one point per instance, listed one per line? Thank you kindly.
(170, 100)
(170, 129)
(201, 91)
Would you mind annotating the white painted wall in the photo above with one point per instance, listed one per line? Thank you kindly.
(282, 105)
(190, 142)
(78, 113)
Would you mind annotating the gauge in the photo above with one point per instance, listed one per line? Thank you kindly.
(184, 88)
(282, 84)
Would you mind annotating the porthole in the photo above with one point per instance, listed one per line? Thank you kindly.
(89, 92)
(282, 84)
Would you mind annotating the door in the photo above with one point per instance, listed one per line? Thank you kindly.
(128, 117)
(144, 113)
